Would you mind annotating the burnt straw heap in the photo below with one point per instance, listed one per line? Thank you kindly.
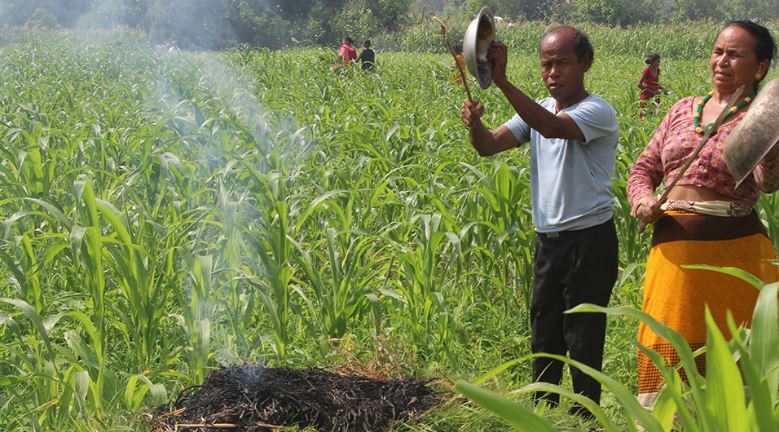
(256, 398)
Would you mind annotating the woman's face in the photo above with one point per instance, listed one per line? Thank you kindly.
(734, 62)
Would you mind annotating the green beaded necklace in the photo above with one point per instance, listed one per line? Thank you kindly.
(696, 119)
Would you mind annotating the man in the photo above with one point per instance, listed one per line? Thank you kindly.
(573, 139)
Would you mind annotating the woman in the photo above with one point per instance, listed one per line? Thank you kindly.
(346, 52)
(706, 219)
(649, 83)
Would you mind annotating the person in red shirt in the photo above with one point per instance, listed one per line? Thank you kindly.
(347, 53)
(650, 82)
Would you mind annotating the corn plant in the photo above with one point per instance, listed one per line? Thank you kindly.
(198, 314)
(62, 391)
(714, 402)
(340, 293)
(768, 206)
(500, 204)
(271, 274)
(421, 288)
(165, 214)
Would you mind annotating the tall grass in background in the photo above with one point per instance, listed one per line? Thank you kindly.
(167, 214)
(684, 41)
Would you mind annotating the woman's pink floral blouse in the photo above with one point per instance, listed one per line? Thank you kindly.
(674, 142)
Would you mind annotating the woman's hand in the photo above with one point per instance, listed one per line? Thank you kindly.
(647, 210)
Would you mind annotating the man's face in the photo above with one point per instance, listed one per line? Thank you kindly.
(561, 69)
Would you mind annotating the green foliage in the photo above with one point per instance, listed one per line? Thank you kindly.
(520, 418)
(193, 24)
(616, 12)
(714, 402)
(163, 215)
(672, 41)
(217, 24)
(260, 26)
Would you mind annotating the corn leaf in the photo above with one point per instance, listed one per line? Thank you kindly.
(520, 418)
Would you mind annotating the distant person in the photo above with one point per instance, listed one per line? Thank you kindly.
(346, 52)
(649, 83)
(367, 56)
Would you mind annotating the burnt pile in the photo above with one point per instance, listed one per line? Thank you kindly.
(255, 398)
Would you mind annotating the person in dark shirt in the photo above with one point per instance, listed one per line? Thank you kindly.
(367, 56)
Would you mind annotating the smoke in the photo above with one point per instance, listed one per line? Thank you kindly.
(193, 24)
(215, 105)
(247, 377)
(206, 101)
(211, 24)
(104, 14)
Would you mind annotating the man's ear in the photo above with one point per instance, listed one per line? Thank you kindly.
(586, 63)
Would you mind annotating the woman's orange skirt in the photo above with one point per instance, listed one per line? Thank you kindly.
(678, 297)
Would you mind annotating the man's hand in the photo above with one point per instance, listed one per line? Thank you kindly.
(471, 113)
(647, 210)
(498, 55)
(484, 140)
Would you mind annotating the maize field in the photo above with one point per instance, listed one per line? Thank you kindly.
(167, 214)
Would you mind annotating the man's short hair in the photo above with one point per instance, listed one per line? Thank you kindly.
(581, 43)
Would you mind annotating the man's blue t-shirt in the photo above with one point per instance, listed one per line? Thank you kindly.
(570, 180)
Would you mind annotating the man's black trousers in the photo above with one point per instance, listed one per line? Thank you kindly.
(572, 267)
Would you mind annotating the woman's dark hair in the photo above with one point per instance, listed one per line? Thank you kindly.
(651, 58)
(367, 43)
(347, 39)
(765, 47)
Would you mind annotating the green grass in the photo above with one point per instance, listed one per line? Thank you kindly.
(164, 215)
(745, 365)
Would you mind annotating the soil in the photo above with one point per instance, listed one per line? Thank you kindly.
(256, 398)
